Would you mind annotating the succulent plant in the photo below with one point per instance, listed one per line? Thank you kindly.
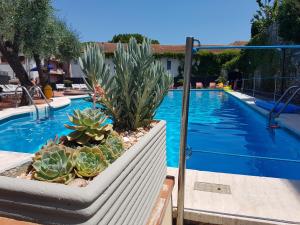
(113, 147)
(90, 126)
(137, 88)
(51, 145)
(89, 162)
(53, 164)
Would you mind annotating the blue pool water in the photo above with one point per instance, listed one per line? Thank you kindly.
(224, 134)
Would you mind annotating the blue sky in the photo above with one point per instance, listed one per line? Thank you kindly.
(169, 21)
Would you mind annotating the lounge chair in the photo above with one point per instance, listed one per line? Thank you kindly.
(60, 87)
(212, 85)
(199, 85)
(83, 87)
(8, 90)
(76, 86)
(220, 85)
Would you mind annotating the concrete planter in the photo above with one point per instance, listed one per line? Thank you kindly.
(123, 194)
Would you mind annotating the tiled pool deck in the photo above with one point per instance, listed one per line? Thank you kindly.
(252, 200)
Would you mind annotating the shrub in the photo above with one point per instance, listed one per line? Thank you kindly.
(68, 83)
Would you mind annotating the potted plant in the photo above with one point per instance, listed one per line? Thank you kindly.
(119, 166)
(68, 84)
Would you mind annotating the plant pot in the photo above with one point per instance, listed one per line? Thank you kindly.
(122, 194)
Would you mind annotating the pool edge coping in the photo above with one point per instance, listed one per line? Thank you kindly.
(57, 103)
(250, 101)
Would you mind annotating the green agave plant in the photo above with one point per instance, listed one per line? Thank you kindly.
(137, 88)
(89, 162)
(53, 164)
(88, 127)
(92, 63)
(113, 147)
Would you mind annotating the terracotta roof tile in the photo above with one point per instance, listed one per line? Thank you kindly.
(160, 49)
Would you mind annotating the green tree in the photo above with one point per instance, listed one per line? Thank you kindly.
(47, 35)
(30, 27)
(11, 38)
(69, 46)
(265, 16)
(38, 29)
(289, 20)
(124, 38)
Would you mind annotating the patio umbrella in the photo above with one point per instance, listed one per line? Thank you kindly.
(49, 67)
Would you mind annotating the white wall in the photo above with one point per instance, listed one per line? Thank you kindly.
(29, 63)
(76, 71)
(174, 65)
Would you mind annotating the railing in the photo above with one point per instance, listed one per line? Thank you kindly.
(39, 90)
(216, 152)
(272, 116)
(30, 99)
(275, 86)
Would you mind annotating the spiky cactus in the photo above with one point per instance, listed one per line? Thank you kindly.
(90, 127)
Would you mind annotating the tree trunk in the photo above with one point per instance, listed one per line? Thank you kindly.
(38, 62)
(13, 60)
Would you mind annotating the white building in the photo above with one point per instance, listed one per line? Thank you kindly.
(5, 68)
(171, 63)
(28, 63)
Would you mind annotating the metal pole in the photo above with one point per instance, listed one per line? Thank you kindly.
(253, 88)
(243, 84)
(275, 88)
(283, 70)
(183, 130)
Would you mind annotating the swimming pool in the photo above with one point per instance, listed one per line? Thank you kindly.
(224, 134)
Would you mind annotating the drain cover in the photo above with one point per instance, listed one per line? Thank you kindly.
(211, 187)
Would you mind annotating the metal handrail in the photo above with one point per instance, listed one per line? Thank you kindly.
(35, 87)
(30, 98)
(271, 113)
(287, 102)
(41, 92)
(254, 90)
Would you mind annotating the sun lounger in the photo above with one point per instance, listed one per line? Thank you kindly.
(199, 85)
(212, 85)
(76, 86)
(83, 87)
(60, 87)
(220, 85)
(9, 90)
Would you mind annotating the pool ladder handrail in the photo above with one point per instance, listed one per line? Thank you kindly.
(273, 115)
(30, 98)
(35, 87)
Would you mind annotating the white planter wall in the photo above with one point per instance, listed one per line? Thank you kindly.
(123, 194)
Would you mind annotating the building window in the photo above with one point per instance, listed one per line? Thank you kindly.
(169, 64)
